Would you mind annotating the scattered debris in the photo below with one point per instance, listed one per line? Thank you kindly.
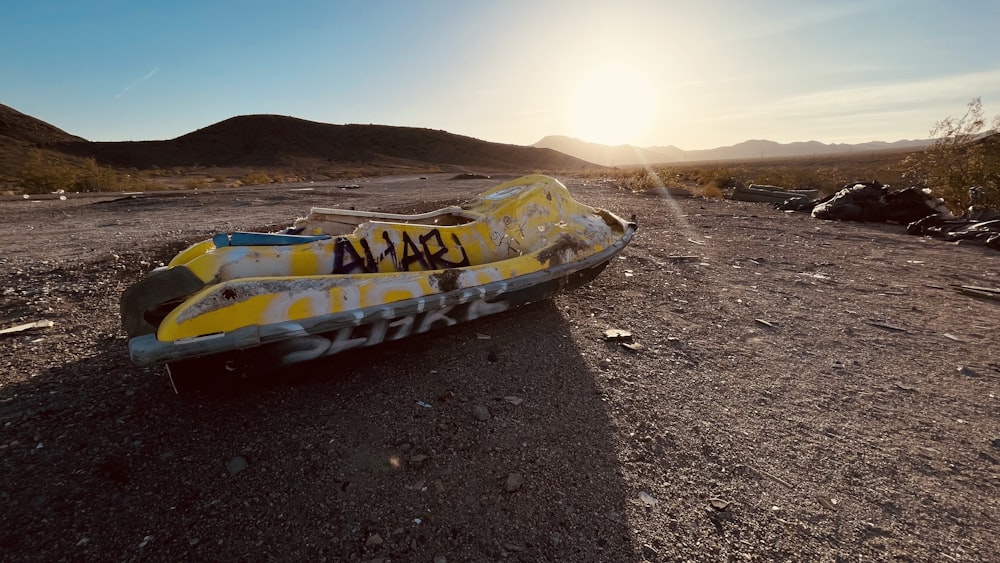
(763, 193)
(975, 291)
(762, 322)
(469, 176)
(772, 476)
(827, 502)
(719, 504)
(967, 371)
(684, 258)
(423, 404)
(27, 326)
(885, 326)
(617, 334)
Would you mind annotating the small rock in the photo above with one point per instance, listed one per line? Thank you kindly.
(519, 547)
(236, 465)
(647, 499)
(440, 559)
(604, 363)
(513, 400)
(649, 552)
(418, 460)
(481, 412)
(513, 483)
(827, 502)
(968, 372)
(374, 541)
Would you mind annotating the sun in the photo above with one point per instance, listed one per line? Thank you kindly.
(613, 105)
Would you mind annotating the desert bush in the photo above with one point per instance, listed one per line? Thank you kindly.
(95, 178)
(722, 177)
(965, 153)
(255, 178)
(196, 183)
(711, 191)
(43, 174)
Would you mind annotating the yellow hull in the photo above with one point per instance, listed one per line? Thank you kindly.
(341, 263)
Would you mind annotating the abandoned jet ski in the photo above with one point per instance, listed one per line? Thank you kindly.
(340, 279)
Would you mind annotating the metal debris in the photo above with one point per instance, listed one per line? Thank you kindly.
(985, 292)
(762, 322)
(27, 326)
(617, 334)
(719, 504)
(885, 326)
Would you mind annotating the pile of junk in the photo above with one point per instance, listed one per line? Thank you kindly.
(922, 213)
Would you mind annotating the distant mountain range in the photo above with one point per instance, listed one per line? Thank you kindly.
(628, 155)
(277, 141)
(265, 141)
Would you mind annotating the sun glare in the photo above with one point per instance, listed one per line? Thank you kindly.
(613, 105)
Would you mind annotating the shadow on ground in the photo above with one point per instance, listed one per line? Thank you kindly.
(483, 442)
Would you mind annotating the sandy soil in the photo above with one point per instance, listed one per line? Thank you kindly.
(804, 390)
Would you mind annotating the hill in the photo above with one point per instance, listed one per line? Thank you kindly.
(274, 140)
(628, 155)
(19, 133)
(18, 127)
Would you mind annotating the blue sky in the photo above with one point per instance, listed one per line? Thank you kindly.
(692, 74)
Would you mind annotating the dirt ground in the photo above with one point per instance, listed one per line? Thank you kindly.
(804, 391)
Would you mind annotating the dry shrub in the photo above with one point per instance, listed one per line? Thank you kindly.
(196, 183)
(712, 191)
(255, 178)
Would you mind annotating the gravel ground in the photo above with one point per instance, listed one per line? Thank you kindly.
(801, 390)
